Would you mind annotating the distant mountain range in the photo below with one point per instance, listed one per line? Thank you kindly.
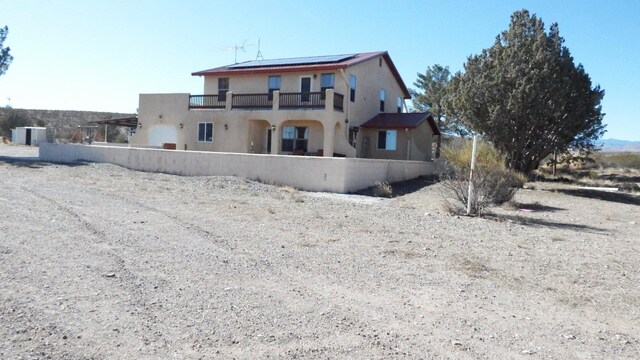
(619, 145)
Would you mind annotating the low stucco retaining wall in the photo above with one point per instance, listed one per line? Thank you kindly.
(340, 175)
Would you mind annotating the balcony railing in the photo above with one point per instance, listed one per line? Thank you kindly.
(304, 100)
(205, 102)
(251, 101)
(286, 101)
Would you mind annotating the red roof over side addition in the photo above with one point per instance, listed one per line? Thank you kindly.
(283, 67)
(401, 121)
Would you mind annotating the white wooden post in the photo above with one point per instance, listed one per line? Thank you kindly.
(473, 165)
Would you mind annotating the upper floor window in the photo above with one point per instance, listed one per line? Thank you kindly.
(383, 95)
(352, 88)
(326, 82)
(223, 87)
(205, 132)
(399, 104)
(274, 84)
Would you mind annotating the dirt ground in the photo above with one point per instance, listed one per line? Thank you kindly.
(100, 262)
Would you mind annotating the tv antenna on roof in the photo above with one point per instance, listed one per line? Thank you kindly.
(259, 54)
(237, 47)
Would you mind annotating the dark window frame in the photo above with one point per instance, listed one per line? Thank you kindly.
(272, 89)
(222, 91)
(323, 87)
(298, 141)
(204, 129)
(352, 87)
(382, 139)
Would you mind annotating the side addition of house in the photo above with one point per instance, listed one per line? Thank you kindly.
(344, 105)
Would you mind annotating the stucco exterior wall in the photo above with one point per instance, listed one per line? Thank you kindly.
(340, 175)
(411, 144)
(259, 84)
(233, 130)
(371, 76)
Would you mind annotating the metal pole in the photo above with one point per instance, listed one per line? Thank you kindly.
(473, 166)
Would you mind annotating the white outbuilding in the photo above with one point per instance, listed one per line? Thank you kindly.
(29, 135)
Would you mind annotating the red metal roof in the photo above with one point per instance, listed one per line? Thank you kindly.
(401, 121)
(287, 68)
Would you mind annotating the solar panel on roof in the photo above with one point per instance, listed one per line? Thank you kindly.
(293, 61)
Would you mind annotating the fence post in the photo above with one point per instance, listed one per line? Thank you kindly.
(473, 166)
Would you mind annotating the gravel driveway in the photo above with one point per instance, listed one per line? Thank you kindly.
(97, 261)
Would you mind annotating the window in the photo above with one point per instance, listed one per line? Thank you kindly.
(326, 82)
(399, 104)
(305, 88)
(274, 84)
(352, 88)
(223, 87)
(353, 135)
(387, 139)
(205, 132)
(295, 138)
(383, 95)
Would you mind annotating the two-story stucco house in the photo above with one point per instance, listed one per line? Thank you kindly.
(342, 105)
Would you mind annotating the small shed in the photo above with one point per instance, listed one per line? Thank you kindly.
(399, 136)
(29, 135)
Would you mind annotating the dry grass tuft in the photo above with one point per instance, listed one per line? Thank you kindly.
(383, 189)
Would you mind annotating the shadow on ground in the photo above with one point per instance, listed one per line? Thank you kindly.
(34, 162)
(537, 207)
(522, 220)
(602, 195)
(402, 187)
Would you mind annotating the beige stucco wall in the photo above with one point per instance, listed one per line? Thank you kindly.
(240, 130)
(371, 76)
(235, 130)
(411, 144)
(303, 172)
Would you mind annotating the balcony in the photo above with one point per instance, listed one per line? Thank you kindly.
(273, 101)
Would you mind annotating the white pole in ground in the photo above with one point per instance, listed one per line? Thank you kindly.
(473, 166)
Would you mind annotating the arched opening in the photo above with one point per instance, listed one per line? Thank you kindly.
(260, 137)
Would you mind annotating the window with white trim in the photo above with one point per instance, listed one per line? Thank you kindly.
(387, 139)
(399, 104)
(205, 132)
(383, 95)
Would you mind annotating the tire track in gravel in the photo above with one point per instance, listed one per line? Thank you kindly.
(126, 279)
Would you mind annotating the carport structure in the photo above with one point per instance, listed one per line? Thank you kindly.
(130, 122)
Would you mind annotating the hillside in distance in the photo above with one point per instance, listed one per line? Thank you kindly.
(616, 145)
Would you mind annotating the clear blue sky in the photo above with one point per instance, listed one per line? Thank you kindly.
(99, 55)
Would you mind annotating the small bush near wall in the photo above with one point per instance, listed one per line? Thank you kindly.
(383, 189)
(494, 184)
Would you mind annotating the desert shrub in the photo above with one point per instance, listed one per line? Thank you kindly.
(13, 119)
(628, 160)
(382, 189)
(494, 184)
